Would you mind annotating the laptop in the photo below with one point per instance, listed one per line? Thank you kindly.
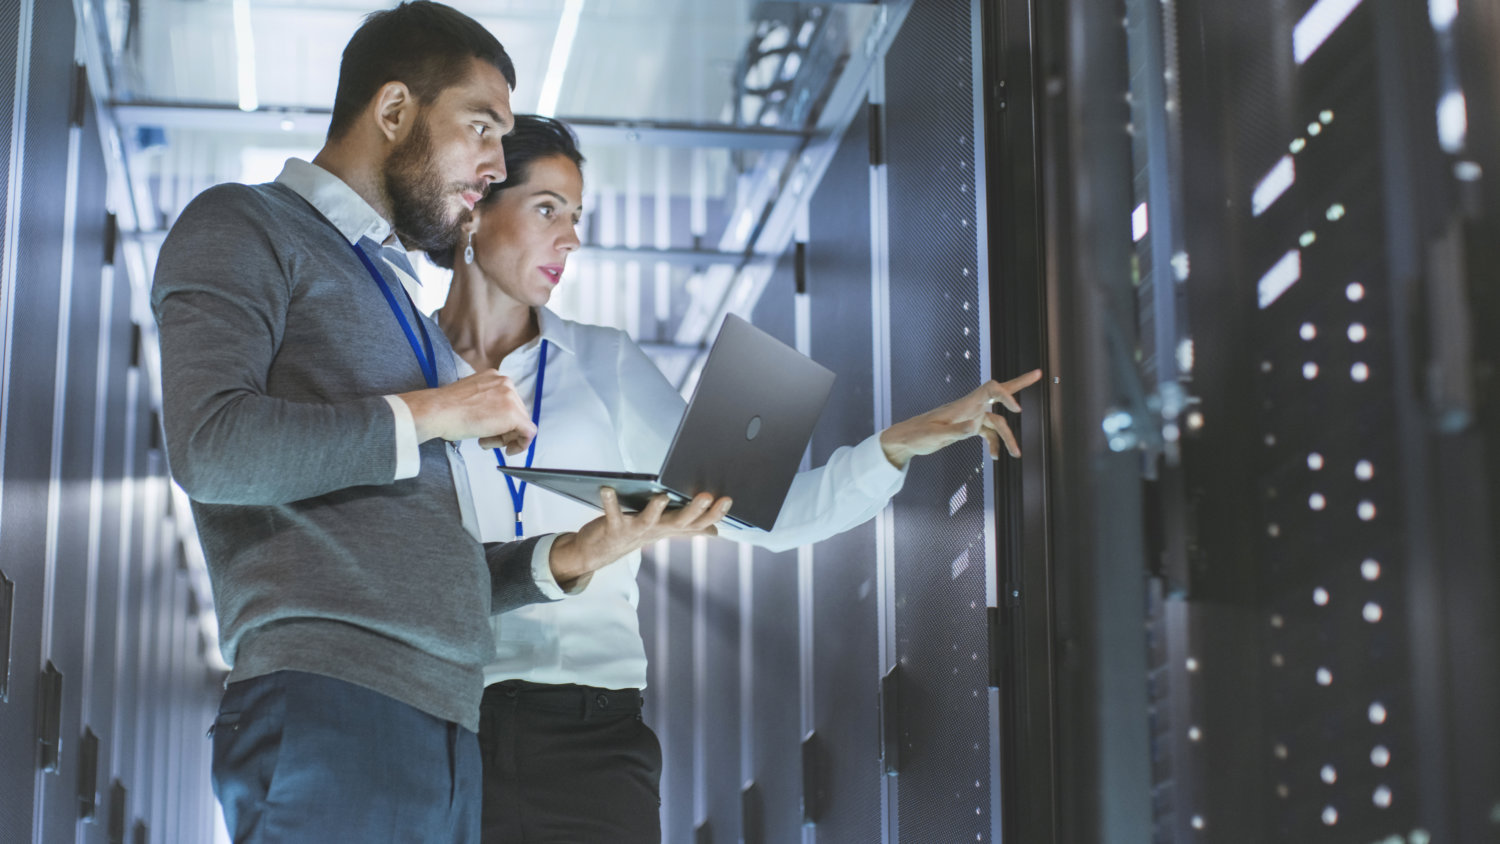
(743, 434)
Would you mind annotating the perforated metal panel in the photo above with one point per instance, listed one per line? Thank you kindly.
(107, 684)
(10, 25)
(719, 669)
(1330, 548)
(33, 346)
(128, 745)
(15, 782)
(1299, 692)
(672, 695)
(771, 809)
(775, 717)
(941, 550)
(79, 385)
(846, 668)
(775, 310)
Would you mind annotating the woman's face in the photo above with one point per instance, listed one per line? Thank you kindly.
(522, 238)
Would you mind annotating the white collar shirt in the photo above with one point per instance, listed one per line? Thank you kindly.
(342, 206)
(606, 406)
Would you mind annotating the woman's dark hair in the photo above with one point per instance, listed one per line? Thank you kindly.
(534, 138)
(426, 45)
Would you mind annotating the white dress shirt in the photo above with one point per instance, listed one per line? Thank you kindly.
(607, 407)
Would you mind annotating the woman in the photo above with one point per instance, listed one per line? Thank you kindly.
(566, 754)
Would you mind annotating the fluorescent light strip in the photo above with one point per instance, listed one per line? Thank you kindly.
(1442, 13)
(1452, 122)
(244, 49)
(1280, 278)
(1321, 20)
(1273, 185)
(557, 63)
(1140, 222)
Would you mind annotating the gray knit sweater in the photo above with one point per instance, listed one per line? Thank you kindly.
(276, 350)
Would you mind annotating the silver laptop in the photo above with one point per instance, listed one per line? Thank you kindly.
(743, 434)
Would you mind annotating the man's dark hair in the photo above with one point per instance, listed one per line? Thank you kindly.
(426, 45)
(534, 138)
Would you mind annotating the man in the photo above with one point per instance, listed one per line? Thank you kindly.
(307, 404)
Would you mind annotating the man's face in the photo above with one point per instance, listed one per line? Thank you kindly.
(451, 153)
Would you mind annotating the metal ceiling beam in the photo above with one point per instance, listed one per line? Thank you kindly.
(646, 255)
(220, 117)
(703, 135)
(786, 185)
(680, 257)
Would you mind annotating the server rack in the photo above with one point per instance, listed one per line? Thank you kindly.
(105, 690)
(859, 668)
(1273, 225)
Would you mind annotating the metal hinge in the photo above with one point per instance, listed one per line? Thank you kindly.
(752, 814)
(88, 775)
(992, 616)
(799, 266)
(117, 800)
(7, 608)
(890, 721)
(812, 779)
(49, 700)
(111, 238)
(80, 96)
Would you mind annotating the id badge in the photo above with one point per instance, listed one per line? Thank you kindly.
(465, 495)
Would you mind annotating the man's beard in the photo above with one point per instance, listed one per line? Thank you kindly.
(418, 197)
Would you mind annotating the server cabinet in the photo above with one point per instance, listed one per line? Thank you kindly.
(866, 714)
(717, 671)
(10, 41)
(1280, 220)
(33, 724)
(1343, 381)
(841, 778)
(765, 799)
(772, 791)
(83, 494)
(943, 547)
(722, 631)
(671, 695)
(111, 557)
(67, 795)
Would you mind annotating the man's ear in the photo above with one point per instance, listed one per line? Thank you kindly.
(395, 110)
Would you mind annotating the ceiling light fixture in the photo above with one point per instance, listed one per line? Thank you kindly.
(244, 48)
(557, 63)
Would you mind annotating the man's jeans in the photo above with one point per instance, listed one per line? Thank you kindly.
(305, 758)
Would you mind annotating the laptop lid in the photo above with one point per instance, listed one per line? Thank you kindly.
(743, 433)
(748, 423)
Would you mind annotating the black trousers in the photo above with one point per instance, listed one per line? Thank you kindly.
(568, 765)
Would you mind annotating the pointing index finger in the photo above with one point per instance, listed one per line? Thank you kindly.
(1021, 382)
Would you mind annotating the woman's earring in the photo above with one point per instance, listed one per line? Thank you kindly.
(469, 250)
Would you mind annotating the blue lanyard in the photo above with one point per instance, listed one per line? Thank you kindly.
(518, 493)
(427, 361)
